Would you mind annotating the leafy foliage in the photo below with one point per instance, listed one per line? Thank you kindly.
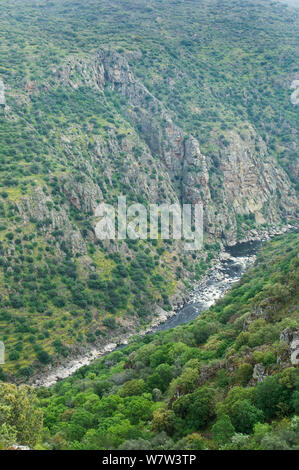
(177, 388)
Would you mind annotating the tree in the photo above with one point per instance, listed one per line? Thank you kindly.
(203, 330)
(234, 395)
(223, 430)
(43, 357)
(187, 381)
(161, 378)
(164, 420)
(273, 442)
(83, 418)
(196, 408)
(118, 433)
(260, 430)
(132, 387)
(19, 414)
(109, 405)
(192, 442)
(244, 373)
(138, 409)
(136, 444)
(267, 396)
(239, 442)
(244, 415)
(295, 401)
(8, 435)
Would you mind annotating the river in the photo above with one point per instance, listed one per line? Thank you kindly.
(232, 263)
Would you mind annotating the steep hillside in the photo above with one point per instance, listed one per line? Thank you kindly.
(227, 380)
(203, 385)
(172, 101)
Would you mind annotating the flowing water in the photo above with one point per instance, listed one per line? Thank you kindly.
(233, 263)
(229, 269)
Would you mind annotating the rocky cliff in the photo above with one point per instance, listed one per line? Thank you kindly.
(242, 180)
(2, 94)
(167, 108)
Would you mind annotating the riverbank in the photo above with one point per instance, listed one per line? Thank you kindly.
(226, 271)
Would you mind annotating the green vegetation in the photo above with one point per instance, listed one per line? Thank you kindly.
(48, 313)
(20, 417)
(68, 142)
(193, 387)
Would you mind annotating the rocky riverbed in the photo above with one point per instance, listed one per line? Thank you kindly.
(228, 270)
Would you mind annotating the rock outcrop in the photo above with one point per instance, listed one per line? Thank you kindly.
(2, 95)
(259, 373)
(291, 338)
(39, 208)
(295, 94)
(242, 181)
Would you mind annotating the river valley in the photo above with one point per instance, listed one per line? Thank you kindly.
(232, 264)
(228, 270)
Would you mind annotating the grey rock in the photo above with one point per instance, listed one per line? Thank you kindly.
(292, 339)
(295, 95)
(259, 372)
(35, 207)
(286, 335)
(249, 180)
(2, 94)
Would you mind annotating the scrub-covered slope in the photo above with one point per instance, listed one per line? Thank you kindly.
(227, 380)
(172, 101)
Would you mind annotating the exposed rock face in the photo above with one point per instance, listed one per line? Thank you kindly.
(291, 338)
(295, 94)
(39, 207)
(242, 180)
(83, 195)
(259, 373)
(294, 349)
(2, 95)
(252, 180)
(286, 335)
